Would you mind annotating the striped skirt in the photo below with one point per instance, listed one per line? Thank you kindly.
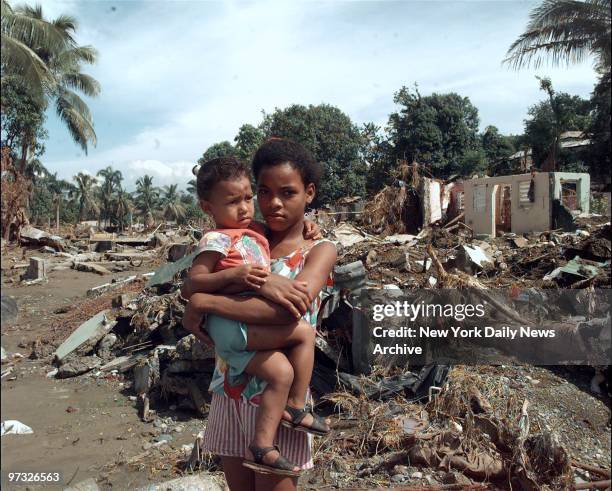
(231, 427)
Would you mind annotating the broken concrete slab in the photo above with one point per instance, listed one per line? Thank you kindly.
(351, 276)
(472, 259)
(166, 273)
(37, 270)
(90, 268)
(146, 374)
(34, 236)
(78, 366)
(9, 309)
(106, 344)
(90, 331)
(121, 363)
(520, 242)
(578, 268)
(97, 290)
(347, 234)
(197, 482)
(190, 348)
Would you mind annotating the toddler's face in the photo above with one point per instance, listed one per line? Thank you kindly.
(231, 203)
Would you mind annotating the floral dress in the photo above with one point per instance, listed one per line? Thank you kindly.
(232, 415)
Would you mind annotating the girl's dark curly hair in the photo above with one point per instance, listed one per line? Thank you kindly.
(277, 151)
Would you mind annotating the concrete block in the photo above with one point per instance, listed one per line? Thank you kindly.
(37, 269)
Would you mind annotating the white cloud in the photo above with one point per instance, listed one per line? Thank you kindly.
(179, 76)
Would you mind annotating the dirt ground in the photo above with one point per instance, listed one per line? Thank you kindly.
(84, 426)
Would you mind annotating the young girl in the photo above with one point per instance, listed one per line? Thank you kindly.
(235, 257)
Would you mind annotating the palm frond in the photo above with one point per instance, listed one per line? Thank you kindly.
(81, 82)
(563, 31)
(20, 60)
(70, 109)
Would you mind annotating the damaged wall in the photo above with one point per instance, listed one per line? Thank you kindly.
(483, 199)
(582, 182)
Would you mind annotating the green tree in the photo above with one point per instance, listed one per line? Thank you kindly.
(52, 44)
(216, 150)
(21, 123)
(248, 140)
(440, 130)
(123, 207)
(377, 153)
(564, 31)
(172, 206)
(332, 138)
(548, 119)
(146, 198)
(108, 190)
(84, 194)
(59, 190)
(495, 145)
(598, 129)
(192, 187)
(497, 148)
(19, 34)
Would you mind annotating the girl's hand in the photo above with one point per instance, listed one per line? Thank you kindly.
(192, 322)
(291, 294)
(186, 290)
(249, 276)
(312, 231)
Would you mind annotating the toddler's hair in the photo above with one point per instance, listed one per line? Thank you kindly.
(217, 170)
(277, 151)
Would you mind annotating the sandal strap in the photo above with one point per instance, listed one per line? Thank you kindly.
(260, 452)
(318, 423)
(280, 463)
(297, 415)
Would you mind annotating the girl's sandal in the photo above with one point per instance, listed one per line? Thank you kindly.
(281, 466)
(318, 426)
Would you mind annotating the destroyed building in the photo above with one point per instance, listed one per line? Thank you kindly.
(525, 203)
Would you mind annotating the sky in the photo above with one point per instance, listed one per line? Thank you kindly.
(178, 76)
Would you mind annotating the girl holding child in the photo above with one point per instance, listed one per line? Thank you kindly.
(264, 341)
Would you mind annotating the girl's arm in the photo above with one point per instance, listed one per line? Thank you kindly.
(258, 310)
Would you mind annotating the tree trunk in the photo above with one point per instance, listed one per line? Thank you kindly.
(57, 218)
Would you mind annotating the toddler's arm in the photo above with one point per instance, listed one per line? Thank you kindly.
(203, 279)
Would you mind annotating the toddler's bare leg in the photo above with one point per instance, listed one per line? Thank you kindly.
(297, 340)
(275, 369)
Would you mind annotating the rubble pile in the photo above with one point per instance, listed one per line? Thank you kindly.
(476, 433)
(84, 249)
(526, 261)
(429, 425)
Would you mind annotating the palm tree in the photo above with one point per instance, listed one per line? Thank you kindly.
(173, 208)
(19, 32)
(564, 31)
(46, 57)
(57, 187)
(123, 206)
(84, 194)
(147, 197)
(111, 184)
(192, 187)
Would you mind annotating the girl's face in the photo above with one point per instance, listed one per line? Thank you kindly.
(282, 196)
